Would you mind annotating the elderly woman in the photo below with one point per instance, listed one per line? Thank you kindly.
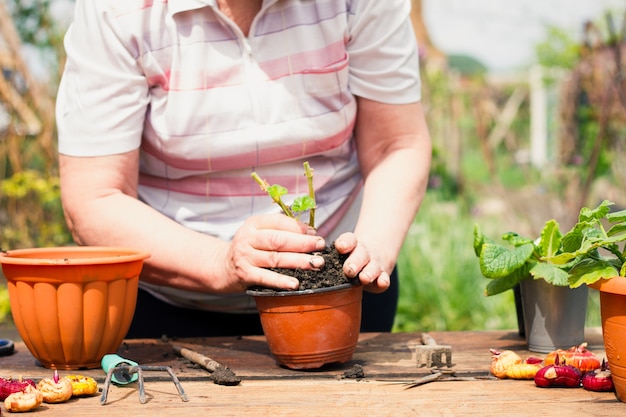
(165, 109)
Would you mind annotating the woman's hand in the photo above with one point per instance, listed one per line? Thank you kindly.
(362, 262)
(270, 241)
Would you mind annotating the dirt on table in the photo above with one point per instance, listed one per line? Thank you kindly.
(224, 376)
(329, 276)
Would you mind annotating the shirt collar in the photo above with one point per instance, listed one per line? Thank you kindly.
(177, 6)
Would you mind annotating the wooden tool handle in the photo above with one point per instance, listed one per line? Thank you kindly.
(197, 358)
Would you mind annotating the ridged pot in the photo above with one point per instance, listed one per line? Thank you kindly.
(72, 305)
(311, 328)
(613, 312)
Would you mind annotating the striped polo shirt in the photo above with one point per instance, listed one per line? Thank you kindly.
(208, 105)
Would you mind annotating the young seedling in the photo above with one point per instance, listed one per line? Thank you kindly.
(300, 204)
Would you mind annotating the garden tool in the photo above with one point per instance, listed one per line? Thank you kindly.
(120, 366)
(438, 374)
(430, 354)
(7, 347)
(220, 374)
(123, 371)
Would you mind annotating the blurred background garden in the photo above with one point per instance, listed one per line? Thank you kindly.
(525, 129)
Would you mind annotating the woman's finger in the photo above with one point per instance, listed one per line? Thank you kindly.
(286, 241)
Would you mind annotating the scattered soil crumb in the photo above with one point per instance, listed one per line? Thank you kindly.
(356, 372)
(224, 376)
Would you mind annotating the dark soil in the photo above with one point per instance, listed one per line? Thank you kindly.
(224, 376)
(329, 276)
(356, 372)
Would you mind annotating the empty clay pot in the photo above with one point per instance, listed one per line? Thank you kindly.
(72, 305)
(311, 328)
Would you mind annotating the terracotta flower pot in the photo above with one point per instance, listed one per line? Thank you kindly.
(311, 328)
(72, 305)
(613, 312)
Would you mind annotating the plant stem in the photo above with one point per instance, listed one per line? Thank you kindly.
(309, 178)
(264, 185)
(615, 251)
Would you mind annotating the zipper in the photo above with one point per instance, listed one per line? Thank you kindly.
(248, 64)
(247, 58)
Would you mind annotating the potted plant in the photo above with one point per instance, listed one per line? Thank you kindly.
(594, 256)
(553, 314)
(319, 323)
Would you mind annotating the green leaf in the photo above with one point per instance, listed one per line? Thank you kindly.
(497, 261)
(571, 241)
(581, 233)
(479, 240)
(550, 273)
(515, 239)
(618, 216)
(303, 203)
(600, 212)
(617, 231)
(276, 191)
(550, 240)
(561, 259)
(497, 286)
(589, 271)
(581, 240)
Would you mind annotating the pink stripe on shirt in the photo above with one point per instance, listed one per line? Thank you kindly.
(247, 158)
(229, 186)
(327, 60)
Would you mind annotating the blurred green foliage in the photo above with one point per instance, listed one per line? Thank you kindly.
(558, 50)
(32, 204)
(5, 308)
(30, 208)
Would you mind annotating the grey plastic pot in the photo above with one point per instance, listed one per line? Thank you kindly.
(554, 317)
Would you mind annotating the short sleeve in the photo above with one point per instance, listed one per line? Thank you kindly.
(382, 50)
(103, 94)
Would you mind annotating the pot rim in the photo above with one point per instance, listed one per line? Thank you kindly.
(265, 293)
(616, 285)
(64, 255)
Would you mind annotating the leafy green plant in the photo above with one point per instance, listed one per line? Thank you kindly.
(589, 251)
(523, 258)
(300, 204)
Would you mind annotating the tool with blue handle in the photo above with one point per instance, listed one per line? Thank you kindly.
(123, 371)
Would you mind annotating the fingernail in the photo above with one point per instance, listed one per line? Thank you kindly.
(316, 262)
(384, 280)
(320, 244)
(351, 270)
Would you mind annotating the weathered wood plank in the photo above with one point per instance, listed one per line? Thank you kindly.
(268, 390)
(382, 354)
(347, 398)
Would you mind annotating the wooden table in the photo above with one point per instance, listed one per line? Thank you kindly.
(268, 390)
